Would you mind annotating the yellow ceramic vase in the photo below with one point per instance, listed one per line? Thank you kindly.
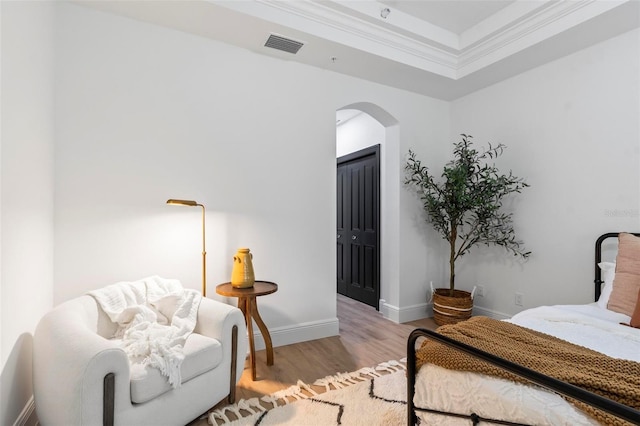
(242, 275)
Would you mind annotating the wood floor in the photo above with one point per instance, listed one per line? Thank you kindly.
(366, 339)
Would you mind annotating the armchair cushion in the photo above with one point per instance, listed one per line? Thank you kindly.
(201, 354)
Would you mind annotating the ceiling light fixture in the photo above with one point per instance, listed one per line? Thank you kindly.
(385, 12)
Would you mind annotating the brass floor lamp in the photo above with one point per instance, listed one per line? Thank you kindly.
(191, 203)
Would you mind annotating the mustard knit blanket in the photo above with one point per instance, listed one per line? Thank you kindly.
(612, 378)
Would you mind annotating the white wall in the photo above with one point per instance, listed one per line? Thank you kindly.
(26, 197)
(150, 113)
(572, 131)
(361, 131)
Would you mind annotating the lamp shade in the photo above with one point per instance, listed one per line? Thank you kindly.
(182, 202)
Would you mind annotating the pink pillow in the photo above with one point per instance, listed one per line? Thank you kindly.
(626, 283)
(635, 318)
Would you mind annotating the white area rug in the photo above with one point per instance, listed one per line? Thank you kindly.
(369, 396)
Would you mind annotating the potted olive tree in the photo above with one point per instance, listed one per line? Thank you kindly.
(464, 206)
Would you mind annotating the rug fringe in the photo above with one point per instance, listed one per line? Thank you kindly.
(301, 391)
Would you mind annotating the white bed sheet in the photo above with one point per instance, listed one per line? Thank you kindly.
(461, 392)
(585, 325)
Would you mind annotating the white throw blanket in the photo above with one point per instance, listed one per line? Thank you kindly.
(154, 316)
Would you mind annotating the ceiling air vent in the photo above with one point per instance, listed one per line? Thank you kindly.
(282, 43)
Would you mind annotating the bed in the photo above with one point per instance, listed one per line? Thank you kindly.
(551, 365)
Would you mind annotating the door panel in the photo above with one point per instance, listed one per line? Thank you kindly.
(358, 222)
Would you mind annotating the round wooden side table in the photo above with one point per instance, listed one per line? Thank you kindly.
(249, 307)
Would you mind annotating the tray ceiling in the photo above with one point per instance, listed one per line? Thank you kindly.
(443, 49)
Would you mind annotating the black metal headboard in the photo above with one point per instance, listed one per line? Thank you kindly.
(599, 241)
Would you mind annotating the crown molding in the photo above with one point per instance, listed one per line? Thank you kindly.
(335, 22)
(525, 29)
(410, 41)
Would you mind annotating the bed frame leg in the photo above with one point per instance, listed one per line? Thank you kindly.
(412, 419)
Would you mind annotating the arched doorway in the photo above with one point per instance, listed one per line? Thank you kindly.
(367, 133)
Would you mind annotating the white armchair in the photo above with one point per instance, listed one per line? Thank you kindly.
(82, 377)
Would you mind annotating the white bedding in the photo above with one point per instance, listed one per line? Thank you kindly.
(489, 397)
(585, 325)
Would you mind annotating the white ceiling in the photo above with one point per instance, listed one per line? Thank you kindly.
(443, 49)
(455, 16)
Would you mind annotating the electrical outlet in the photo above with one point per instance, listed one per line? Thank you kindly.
(480, 290)
(519, 299)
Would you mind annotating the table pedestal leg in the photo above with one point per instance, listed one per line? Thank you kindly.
(263, 329)
(244, 303)
(249, 308)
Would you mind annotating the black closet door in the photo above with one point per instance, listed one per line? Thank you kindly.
(358, 222)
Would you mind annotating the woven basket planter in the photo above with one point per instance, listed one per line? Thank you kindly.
(451, 309)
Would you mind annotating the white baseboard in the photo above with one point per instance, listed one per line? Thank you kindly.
(477, 310)
(281, 336)
(27, 416)
(406, 314)
(425, 310)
